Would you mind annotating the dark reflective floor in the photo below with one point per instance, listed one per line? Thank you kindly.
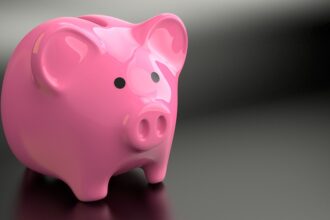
(270, 161)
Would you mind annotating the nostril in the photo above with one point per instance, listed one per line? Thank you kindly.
(143, 129)
(161, 125)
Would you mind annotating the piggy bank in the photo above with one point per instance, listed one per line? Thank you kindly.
(85, 98)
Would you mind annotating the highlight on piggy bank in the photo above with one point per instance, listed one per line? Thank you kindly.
(85, 98)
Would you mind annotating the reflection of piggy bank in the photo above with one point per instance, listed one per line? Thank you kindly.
(90, 97)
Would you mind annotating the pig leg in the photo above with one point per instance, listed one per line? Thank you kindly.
(155, 172)
(89, 188)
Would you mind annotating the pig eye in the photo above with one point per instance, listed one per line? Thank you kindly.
(155, 77)
(119, 83)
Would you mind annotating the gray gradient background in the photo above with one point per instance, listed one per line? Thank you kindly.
(252, 139)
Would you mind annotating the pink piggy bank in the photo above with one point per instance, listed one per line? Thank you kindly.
(85, 98)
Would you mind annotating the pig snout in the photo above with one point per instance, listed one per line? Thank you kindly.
(149, 128)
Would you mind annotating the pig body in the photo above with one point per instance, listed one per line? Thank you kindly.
(90, 97)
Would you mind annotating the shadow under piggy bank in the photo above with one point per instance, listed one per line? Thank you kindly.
(130, 197)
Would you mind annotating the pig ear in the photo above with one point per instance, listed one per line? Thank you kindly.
(56, 54)
(166, 36)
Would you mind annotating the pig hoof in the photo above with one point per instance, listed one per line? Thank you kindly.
(154, 174)
(90, 193)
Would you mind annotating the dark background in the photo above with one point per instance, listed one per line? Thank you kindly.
(252, 139)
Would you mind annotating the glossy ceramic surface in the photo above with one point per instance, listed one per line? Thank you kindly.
(90, 97)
